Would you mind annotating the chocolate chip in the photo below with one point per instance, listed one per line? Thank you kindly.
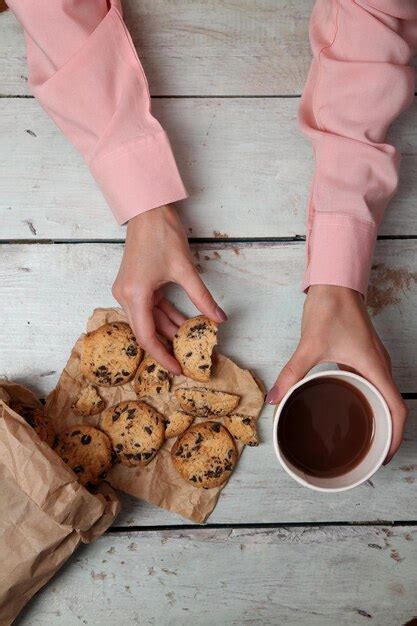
(193, 479)
(188, 355)
(119, 446)
(138, 456)
(158, 389)
(246, 421)
(199, 438)
(150, 368)
(148, 430)
(125, 373)
(85, 440)
(215, 428)
(78, 469)
(131, 350)
(147, 455)
(230, 453)
(179, 451)
(203, 367)
(115, 416)
(118, 380)
(75, 432)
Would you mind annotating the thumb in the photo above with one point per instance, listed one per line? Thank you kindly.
(296, 368)
(201, 297)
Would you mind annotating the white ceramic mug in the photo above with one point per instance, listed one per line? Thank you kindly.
(376, 454)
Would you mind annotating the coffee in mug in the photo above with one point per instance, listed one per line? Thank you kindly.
(332, 430)
(326, 427)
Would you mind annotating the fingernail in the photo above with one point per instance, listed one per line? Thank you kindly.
(273, 396)
(221, 314)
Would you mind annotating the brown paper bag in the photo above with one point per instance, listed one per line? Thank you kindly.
(158, 482)
(44, 511)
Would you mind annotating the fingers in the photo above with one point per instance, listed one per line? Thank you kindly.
(381, 378)
(296, 368)
(201, 297)
(171, 312)
(163, 324)
(143, 325)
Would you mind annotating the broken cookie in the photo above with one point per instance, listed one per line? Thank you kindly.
(152, 379)
(193, 346)
(243, 428)
(89, 402)
(177, 423)
(202, 402)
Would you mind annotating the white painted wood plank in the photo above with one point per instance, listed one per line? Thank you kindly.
(199, 48)
(296, 576)
(244, 162)
(49, 290)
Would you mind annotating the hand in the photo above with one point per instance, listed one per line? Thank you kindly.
(336, 328)
(157, 253)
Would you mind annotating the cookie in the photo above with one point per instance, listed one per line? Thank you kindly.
(89, 402)
(136, 430)
(87, 451)
(35, 417)
(193, 346)
(110, 355)
(177, 423)
(243, 428)
(202, 402)
(152, 379)
(205, 455)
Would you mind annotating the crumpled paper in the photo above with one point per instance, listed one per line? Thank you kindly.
(44, 511)
(157, 483)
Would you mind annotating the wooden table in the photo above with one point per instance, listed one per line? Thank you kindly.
(226, 80)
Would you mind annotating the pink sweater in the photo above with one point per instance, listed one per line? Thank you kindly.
(84, 70)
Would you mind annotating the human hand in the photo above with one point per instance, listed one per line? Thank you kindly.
(157, 253)
(336, 328)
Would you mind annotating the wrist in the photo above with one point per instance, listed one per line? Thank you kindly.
(332, 291)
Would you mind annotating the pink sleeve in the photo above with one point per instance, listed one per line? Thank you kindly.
(84, 71)
(359, 82)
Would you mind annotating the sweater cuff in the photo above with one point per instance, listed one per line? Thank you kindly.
(339, 251)
(140, 176)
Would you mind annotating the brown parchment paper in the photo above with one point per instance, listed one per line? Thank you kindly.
(44, 511)
(158, 482)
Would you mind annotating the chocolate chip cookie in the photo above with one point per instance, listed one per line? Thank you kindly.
(89, 402)
(177, 423)
(205, 455)
(202, 402)
(136, 430)
(110, 355)
(243, 428)
(36, 418)
(193, 346)
(87, 451)
(151, 379)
